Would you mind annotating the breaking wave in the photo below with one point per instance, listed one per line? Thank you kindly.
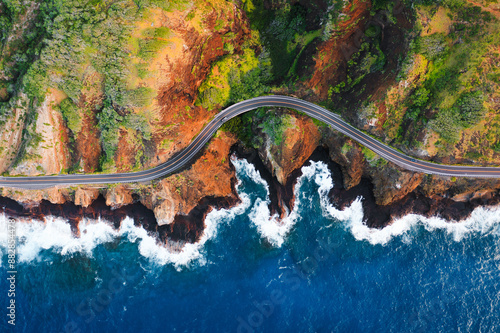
(55, 234)
(482, 221)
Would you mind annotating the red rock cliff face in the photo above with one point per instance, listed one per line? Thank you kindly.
(179, 119)
(300, 139)
(332, 55)
(181, 201)
(201, 33)
(211, 175)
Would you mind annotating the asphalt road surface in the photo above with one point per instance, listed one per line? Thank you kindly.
(206, 134)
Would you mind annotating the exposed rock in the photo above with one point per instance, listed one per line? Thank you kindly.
(85, 196)
(391, 184)
(32, 198)
(181, 201)
(56, 195)
(333, 54)
(185, 65)
(347, 154)
(299, 142)
(211, 175)
(162, 204)
(118, 196)
(48, 155)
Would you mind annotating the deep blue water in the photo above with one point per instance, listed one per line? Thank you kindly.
(330, 274)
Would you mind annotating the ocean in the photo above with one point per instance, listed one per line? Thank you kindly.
(319, 270)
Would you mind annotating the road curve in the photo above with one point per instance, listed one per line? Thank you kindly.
(206, 134)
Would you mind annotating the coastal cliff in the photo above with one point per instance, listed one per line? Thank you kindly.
(375, 63)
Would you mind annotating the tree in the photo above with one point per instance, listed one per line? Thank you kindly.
(71, 115)
(469, 108)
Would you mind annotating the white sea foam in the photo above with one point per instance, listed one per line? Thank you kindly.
(55, 234)
(188, 252)
(245, 167)
(34, 236)
(483, 220)
(269, 226)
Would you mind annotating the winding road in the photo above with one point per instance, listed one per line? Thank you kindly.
(184, 157)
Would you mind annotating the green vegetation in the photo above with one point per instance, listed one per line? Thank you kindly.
(155, 41)
(452, 84)
(236, 77)
(368, 59)
(139, 97)
(272, 123)
(110, 122)
(138, 123)
(161, 32)
(274, 126)
(270, 58)
(432, 46)
(346, 147)
(445, 75)
(71, 115)
(66, 41)
(109, 125)
(466, 112)
(284, 34)
(370, 156)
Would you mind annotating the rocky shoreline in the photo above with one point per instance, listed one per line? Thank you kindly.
(184, 228)
(189, 228)
(375, 215)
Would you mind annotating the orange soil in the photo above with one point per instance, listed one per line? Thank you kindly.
(330, 55)
(125, 157)
(180, 120)
(300, 141)
(495, 12)
(88, 145)
(211, 175)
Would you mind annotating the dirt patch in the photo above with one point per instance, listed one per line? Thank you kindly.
(492, 8)
(88, 145)
(186, 65)
(4, 94)
(439, 23)
(125, 157)
(332, 55)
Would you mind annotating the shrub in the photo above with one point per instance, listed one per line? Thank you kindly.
(233, 125)
(274, 126)
(161, 32)
(109, 123)
(432, 46)
(420, 97)
(71, 115)
(139, 123)
(149, 47)
(139, 97)
(466, 112)
(447, 125)
(469, 108)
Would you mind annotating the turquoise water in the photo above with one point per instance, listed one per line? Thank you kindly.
(320, 270)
